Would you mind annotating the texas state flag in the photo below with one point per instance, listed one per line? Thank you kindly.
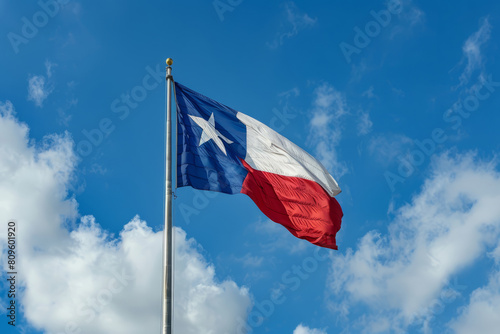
(221, 149)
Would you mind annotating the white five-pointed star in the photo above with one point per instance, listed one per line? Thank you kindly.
(210, 132)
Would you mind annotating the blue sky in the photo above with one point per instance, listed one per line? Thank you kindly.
(398, 99)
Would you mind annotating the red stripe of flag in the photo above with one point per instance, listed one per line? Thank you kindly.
(300, 205)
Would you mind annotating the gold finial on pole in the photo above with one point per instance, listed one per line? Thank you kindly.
(169, 61)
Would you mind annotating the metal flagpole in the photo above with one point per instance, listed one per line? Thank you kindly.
(167, 231)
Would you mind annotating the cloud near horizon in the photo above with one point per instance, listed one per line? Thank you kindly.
(399, 275)
(99, 282)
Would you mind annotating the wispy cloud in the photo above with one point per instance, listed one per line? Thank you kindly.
(401, 276)
(369, 93)
(249, 260)
(329, 106)
(274, 237)
(415, 15)
(64, 116)
(364, 123)
(472, 51)
(48, 67)
(38, 86)
(409, 17)
(38, 90)
(295, 21)
(411, 13)
(387, 147)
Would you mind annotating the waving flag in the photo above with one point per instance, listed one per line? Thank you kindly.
(221, 149)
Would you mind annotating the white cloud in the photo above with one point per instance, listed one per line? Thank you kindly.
(329, 106)
(295, 22)
(84, 277)
(448, 225)
(38, 90)
(496, 254)
(472, 50)
(38, 87)
(301, 329)
(482, 313)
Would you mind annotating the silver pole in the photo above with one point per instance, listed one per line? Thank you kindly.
(167, 231)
